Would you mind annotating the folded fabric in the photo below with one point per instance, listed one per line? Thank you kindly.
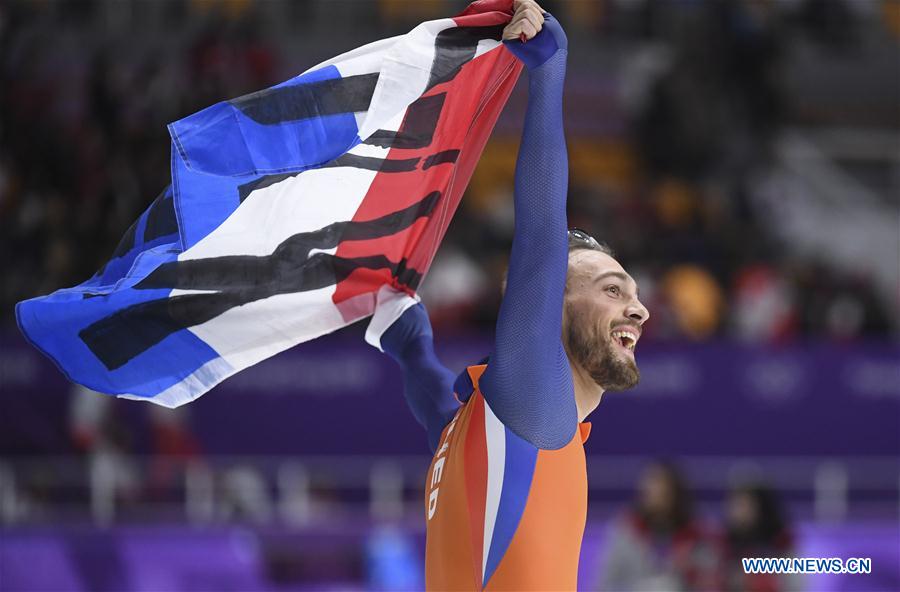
(289, 208)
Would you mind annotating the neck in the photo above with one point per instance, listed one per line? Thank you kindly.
(587, 392)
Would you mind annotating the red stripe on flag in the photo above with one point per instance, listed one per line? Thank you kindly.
(474, 100)
(483, 12)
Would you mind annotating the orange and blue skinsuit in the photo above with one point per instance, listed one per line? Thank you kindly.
(506, 493)
(502, 514)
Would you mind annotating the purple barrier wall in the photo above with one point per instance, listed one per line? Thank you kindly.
(338, 396)
(357, 557)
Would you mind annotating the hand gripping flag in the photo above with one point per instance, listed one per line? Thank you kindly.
(288, 209)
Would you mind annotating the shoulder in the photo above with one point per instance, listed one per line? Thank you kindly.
(546, 427)
(466, 382)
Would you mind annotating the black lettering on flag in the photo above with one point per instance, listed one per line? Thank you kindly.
(305, 101)
(440, 158)
(382, 165)
(417, 129)
(246, 189)
(454, 47)
(241, 279)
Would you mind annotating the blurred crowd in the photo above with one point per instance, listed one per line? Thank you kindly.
(674, 111)
(668, 183)
(661, 543)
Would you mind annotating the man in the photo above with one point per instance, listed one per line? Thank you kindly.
(506, 493)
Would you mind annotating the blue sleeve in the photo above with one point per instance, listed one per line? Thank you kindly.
(528, 381)
(427, 384)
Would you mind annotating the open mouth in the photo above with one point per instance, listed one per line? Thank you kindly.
(626, 338)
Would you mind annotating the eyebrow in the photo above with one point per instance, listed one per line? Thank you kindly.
(622, 276)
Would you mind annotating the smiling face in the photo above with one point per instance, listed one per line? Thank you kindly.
(602, 319)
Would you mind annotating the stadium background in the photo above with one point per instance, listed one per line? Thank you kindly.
(742, 158)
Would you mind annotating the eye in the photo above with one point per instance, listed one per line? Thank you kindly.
(613, 289)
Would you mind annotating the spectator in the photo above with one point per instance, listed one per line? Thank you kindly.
(658, 544)
(755, 526)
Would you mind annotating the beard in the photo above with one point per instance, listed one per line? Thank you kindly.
(595, 352)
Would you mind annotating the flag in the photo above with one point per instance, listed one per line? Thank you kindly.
(288, 209)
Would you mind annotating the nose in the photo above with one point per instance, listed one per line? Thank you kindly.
(637, 312)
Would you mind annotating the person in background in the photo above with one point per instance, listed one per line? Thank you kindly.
(658, 544)
(755, 526)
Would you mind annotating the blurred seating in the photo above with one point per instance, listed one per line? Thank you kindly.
(664, 158)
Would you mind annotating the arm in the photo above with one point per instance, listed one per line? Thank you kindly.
(528, 381)
(427, 384)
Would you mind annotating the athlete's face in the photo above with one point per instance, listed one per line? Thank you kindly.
(602, 319)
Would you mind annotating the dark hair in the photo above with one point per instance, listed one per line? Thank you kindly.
(579, 239)
(771, 523)
(681, 513)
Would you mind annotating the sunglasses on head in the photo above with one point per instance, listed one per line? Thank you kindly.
(581, 236)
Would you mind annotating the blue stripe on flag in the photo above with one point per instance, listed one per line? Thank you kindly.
(220, 148)
(52, 324)
(221, 142)
(224, 140)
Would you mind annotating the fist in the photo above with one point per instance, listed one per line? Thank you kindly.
(527, 21)
(547, 37)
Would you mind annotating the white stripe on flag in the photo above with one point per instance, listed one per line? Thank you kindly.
(315, 198)
(245, 335)
(360, 60)
(304, 203)
(405, 71)
(486, 45)
(191, 387)
(496, 453)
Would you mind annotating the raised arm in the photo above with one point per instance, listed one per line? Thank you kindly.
(401, 328)
(528, 381)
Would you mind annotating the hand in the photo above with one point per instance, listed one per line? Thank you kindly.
(544, 32)
(527, 21)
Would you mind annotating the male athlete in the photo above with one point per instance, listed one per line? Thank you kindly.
(506, 493)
